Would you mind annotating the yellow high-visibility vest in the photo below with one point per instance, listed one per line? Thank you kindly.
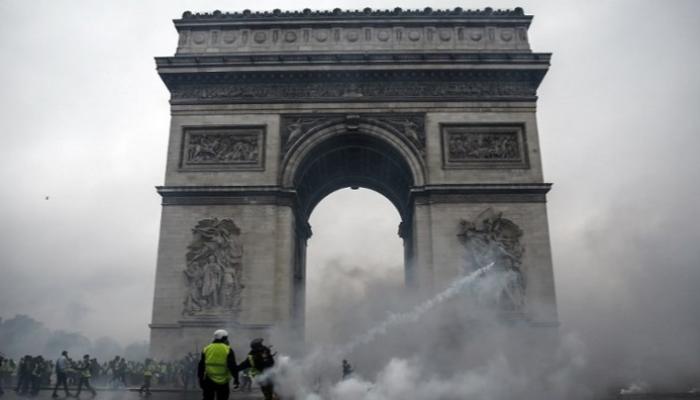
(215, 356)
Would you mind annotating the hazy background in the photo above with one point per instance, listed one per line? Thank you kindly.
(84, 124)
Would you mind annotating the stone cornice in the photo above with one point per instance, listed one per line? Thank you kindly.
(353, 86)
(366, 13)
(225, 195)
(482, 193)
(428, 194)
(521, 60)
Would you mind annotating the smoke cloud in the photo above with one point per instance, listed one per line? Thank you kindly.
(84, 133)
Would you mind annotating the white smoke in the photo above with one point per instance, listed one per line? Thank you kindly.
(316, 376)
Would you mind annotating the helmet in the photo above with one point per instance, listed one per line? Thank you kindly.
(220, 334)
(256, 342)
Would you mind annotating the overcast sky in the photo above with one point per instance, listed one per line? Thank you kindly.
(84, 123)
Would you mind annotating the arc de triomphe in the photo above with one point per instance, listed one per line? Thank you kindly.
(273, 111)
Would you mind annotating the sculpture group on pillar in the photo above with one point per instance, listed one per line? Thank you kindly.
(214, 272)
(490, 238)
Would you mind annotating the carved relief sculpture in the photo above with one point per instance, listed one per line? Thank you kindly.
(213, 273)
(466, 146)
(490, 238)
(409, 127)
(223, 148)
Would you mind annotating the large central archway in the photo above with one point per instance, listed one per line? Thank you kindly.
(349, 151)
(352, 160)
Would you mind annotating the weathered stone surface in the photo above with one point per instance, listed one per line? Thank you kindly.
(268, 117)
(366, 30)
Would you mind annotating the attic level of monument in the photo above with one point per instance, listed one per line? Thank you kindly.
(397, 12)
(347, 31)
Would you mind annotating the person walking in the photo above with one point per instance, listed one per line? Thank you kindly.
(148, 369)
(62, 365)
(347, 369)
(24, 373)
(259, 360)
(37, 373)
(84, 370)
(2, 372)
(217, 366)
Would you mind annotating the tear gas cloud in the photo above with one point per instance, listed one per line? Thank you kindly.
(85, 122)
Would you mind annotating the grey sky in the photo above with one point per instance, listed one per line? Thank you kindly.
(85, 119)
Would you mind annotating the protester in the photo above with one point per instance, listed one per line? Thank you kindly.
(84, 369)
(216, 368)
(259, 360)
(36, 375)
(2, 364)
(62, 365)
(347, 369)
(147, 376)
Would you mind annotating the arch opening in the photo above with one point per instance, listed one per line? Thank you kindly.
(353, 160)
(354, 265)
(349, 159)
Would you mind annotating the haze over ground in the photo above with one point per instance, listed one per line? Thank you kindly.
(84, 130)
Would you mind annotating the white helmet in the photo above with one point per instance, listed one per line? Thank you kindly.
(220, 334)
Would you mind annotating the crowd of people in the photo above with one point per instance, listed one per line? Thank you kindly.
(28, 374)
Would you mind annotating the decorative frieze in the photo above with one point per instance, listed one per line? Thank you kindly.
(388, 90)
(223, 148)
(451, 38)
(484, 146)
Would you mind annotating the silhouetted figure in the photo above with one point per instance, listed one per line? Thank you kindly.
(347, 369)
(260, 359)
(24, 371)
(148, 370)
(37, 373)
(84, 370)
(2, 371)
(62, 365)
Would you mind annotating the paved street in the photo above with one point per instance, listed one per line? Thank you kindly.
(134, 395)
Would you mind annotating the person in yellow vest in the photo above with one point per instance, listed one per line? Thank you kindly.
(259, 361)
(217, 367)
(147, 376)
(84, 370)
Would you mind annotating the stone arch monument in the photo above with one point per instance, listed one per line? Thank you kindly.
(273, 111)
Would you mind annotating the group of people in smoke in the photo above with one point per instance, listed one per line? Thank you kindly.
(214, 370)
(29, 374)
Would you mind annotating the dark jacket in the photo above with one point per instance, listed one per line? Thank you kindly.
(260, 358)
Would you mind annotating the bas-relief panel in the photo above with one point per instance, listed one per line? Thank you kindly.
(491, 239)
(483, 146)
(213, 275)
(223, 148)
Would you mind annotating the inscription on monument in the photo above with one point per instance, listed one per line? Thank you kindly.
(490, 238)
(473, 146)
(227, 148)
(214, 271)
